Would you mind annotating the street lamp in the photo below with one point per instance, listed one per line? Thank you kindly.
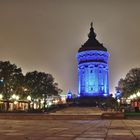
(29, 101)
(138, 94)
(15, 102)
(118, 100)
(42, 101)
(49, 103)
(29, 98)
(1, 96)
(17, 97)
(134, 95)
(13, 96)
(131, 97)
(25, 89)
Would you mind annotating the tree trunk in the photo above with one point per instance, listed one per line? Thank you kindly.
(7, 105)
(39, 102)
(44, 104)
(29, 107)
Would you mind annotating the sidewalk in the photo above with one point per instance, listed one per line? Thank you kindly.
(69, 130)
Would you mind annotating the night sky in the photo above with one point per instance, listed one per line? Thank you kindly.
(45, 35)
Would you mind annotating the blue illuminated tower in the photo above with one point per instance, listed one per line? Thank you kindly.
(92, 60)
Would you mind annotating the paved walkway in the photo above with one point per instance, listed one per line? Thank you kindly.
(69, 130)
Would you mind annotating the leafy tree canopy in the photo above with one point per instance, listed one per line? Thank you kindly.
(40, 84)
(11, 79)
(37, 84)
(131, 83)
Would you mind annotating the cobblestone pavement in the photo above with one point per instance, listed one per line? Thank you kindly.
(69, 130)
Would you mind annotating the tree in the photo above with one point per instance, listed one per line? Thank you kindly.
(41, 85)
(11, 78)
(131, 83)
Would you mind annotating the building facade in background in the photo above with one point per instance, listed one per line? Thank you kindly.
(92, 60)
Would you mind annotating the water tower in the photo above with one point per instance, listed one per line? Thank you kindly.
(92, 60)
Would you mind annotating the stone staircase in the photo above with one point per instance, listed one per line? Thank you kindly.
(79, 111)
(69, 113)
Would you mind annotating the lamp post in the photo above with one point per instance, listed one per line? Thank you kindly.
(15, 98)
(29, 101)
(138, 94)
(1, 96)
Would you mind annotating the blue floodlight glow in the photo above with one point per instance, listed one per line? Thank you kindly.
(92, 60)
(118, 94)
(93, 73)
(69, 95)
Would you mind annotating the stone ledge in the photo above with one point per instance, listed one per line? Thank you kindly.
(48, 117)
(112, 116)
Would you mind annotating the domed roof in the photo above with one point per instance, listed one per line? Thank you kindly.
(92, 43)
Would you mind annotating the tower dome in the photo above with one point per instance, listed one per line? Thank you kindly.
(92, 43)
(92, 60)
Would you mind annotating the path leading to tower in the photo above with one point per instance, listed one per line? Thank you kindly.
(69, 130)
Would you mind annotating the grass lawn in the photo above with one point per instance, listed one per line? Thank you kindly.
(132, 114)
